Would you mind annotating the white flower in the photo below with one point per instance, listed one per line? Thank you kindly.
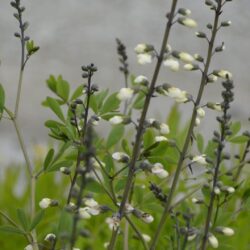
(83, 213)
(76, 248)
(230, 190)
(191, 237)
(113, 222)
(106, 244)
(125, 94)
(177, 94)
(223, 73)
(190, 66)
(213, 241)
(148, 218)
(141, 48)
(28, 247)
(144, 58)
(90, 202)
(164, 128)
(188, 22)
(201, 159)
(45, 203)
(197, 121)
(160, 138)
(128, 208)
(172, 64)
(227, 231)
(159, 170)
(120, 156)
(50, 237)
(141, 79)
(185, 57)
(201, 112)
(146, 237)
(214, 106)
(116, 120)
(212, 78)
(217, 190)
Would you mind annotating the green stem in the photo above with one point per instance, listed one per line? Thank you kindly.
(140, 130)
(190, 132)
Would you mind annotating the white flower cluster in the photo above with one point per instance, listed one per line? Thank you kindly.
(144, 53)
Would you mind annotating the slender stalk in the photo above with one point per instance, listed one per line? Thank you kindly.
(212, 198)
(140, 129)
(82, 138)
(190, 130)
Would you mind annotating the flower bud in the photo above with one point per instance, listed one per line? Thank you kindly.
(198, 58)
(226, 23)
(213, 241)
(214, 106)
(116, 120)
(200, 34)
(188, 22)
(227, 231)
(184, 12)
(191, 67)
(141, 80)
(125, 94)
(172, 64)
(50, 237)
(120, 157)
(144, 58)
(223, 74)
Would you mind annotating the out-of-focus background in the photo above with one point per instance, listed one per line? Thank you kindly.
(76, 32)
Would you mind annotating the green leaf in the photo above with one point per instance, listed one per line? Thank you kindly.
(10, 229)
(100, 97)
(109, 164)
(23, 219)
(125, 147)
(148, 138)
(53, 104)
(235, 128)
(93, 104)
(139, 101)
(62, 149)
(2, 100)
(77, 93)
(51, 83)
(38, 217)
(200, 142)
(65, 223)
(111, 104)
(53, 124)
(115, 135)
(62, 88)
(173, 120)
(239, 139)
(48, 158)
(58, 165)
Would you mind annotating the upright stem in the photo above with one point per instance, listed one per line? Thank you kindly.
(190, 130)
(136, 149)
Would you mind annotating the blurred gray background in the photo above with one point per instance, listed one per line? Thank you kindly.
(72, 33)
